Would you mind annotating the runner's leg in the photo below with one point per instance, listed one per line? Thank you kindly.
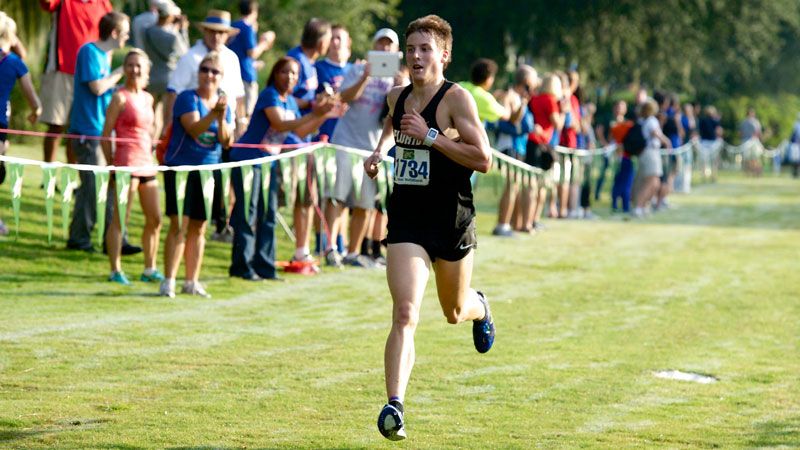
(458, 300)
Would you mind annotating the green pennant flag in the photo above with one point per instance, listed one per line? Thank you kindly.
(302, 176)
(247, 187)
(517, 175)
(330, 167)
(286, 180)
(380, 180)
(123, 180)
(49, 182)
(387, 171)
(101, 196)
(16, 172)
(180, 192)
(69, 181)
(225, 179)
(357, 171)
(265, 179)
(319, 166)
(207, 183)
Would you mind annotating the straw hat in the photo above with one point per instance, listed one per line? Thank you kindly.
(218, 20)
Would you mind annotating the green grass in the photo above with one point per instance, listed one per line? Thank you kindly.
(586, 311)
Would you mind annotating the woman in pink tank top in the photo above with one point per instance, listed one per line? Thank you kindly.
(130, 115)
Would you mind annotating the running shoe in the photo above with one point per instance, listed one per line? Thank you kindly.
(194, 288)
(167, 288)
(119, 277)
(332, 259)
(358, 261)
(152, 277)
(483, 329)
(390, 423)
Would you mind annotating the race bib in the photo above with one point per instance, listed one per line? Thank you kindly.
(412, 167)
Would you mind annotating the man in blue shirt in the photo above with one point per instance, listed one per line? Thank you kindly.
(93, 88)
(249, 46)
(331, 70)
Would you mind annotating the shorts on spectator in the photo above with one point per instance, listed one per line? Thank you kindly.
(56, 95)
(344, 189)
(193, 205)
(250, 96)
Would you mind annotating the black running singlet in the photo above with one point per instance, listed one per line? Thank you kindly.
(432, 193)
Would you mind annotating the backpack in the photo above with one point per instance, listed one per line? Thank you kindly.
(634, 141)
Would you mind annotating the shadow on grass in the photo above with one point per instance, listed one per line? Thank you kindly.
(773, 433)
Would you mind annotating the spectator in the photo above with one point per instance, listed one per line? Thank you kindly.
(512, 139)
(360, 128)
(74, 24)
(648, 175)
(567, 185)
(605, 137)
(331, 70)
(249, 47)
(624, 174)
(587, 140)
(793, 150)
(216, 30)
(710, 130)
(482, 75)
(276, 115)
(313, 43)
(202, 125)
(164, 43)
(130, 116)
(94, 86)
(548, 119)
(750, 129)
(673, 130)
(12, 68)
(145, 20)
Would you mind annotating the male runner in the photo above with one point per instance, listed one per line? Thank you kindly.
(440, 141)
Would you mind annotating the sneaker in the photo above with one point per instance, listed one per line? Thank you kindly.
(152, 277)
(167, 288)
(588, 215)
(226, 235)
(502, 231)
(127, 249)
(483, 329)
(358, 261)
(332, 259)
(380, 260)
(390, 423)
(119, 277)
(305, 259)
(194, 288)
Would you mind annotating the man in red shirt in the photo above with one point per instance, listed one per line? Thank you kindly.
(74, 24)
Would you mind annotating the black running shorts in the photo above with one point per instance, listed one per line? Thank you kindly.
(452, 246)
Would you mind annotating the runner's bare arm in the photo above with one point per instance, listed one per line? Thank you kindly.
(386, 141)
(472, 149)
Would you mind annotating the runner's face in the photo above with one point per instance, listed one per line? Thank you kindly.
(286, 78)
(137, 71)
(424, 57)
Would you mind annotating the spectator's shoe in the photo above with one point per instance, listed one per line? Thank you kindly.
(390, 423)
(152, 277)
(128, 249)
(332, 259)
(226, 235)
(73, 246)
(194, 288)
(380, 261)
(538, 226)
(588, 215)
(119, 277)
(483, 329)
(502, 231)
(167, 288)
(358, 261)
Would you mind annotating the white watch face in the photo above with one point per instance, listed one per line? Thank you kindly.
(432, 133)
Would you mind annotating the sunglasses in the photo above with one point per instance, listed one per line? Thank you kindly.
(210, 70)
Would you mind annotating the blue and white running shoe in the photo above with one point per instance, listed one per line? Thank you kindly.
(483, 330)
(390, 423)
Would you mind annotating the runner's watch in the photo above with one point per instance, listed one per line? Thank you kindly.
(431, 137)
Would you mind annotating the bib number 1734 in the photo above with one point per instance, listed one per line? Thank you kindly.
(412, 167)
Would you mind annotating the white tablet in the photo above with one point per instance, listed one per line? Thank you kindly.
(384, 64)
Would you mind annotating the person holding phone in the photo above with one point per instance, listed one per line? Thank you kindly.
(202, 125)
(440, 142)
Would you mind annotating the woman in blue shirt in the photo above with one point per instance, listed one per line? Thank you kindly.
(201, 126)
(276, 120)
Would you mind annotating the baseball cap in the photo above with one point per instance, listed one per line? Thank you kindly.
(386, 33)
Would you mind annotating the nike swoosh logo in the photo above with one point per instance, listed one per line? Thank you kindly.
(464, 247)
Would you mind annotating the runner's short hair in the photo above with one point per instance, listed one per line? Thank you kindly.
(313, 32)
(438, 28)
(481, 70)
(111, 22)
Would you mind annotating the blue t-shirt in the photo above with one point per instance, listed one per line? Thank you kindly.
(183, 149)
(88, 110)
(259, 132)
(243, 42)
(333, 74)
(11, 68)
(519, 136)
(307, 81)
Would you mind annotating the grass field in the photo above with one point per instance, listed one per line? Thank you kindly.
(586, 312)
